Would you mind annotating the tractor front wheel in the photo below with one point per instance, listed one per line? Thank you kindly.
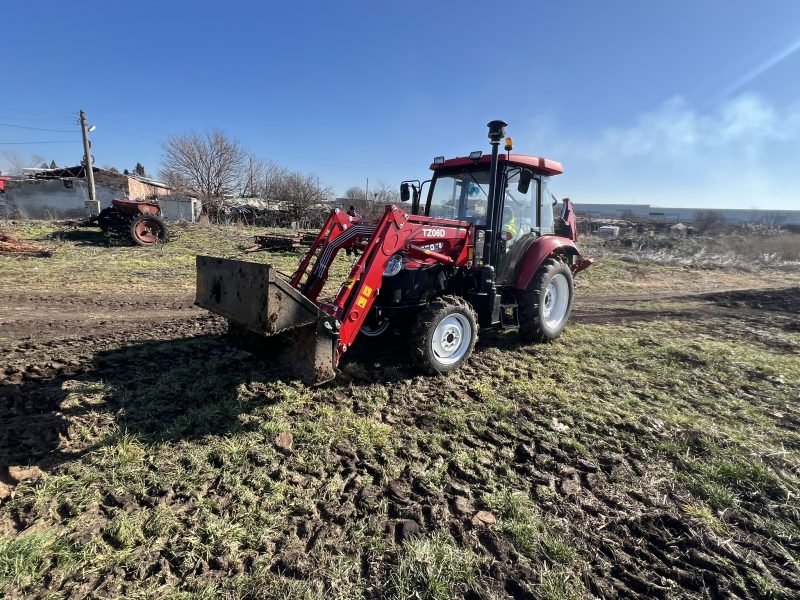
(146, 230)
(108, 219)
(545, 306)
(375, 329)
(445, 334)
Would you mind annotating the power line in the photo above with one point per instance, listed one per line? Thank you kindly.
(33, 116)
(41, 142)
(37, 128)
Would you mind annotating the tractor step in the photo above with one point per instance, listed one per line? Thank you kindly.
(509, 316)
(256, 299)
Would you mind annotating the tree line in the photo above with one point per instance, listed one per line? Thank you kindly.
(370, 203)
(212, 166)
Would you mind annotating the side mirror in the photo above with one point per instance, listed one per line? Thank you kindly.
(525, 177)
(405, 192)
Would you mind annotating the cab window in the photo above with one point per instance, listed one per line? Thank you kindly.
(551, 208)
(461, 195)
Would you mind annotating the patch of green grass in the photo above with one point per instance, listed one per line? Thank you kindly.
(156, 272)
(160, 523)
(560, 584)
(343, 577)
(25, 559)
(327, 424)
(125, 531)
(214, 536)
(532, 534)
(763, 587)
(432, 568)
(706, 516)
(724, 481)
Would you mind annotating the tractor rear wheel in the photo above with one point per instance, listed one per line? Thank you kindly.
(146, 229)
(545, 306)
(445, 334)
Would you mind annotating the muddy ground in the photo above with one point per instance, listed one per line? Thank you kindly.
(557, 495)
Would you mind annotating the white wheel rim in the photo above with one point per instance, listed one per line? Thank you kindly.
(451, 338)
(556, 301)
(370, 331)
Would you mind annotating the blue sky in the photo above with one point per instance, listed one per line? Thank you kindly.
(680, 103)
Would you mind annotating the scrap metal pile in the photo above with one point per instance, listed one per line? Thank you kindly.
(13, 246)
(277, 241)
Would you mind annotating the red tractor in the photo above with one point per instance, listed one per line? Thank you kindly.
(483, 249)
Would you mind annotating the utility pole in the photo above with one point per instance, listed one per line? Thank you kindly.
(92, 205)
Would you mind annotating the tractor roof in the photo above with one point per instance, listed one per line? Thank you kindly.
(543, 165)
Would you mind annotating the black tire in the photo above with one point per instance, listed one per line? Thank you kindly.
(376, 330)
(422, 333)
(110, 219)
(103, 220)
(537, 322)
(146, 230)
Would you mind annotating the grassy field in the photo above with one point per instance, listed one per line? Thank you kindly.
(651, 452)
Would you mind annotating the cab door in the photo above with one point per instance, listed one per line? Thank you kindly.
(519, 225)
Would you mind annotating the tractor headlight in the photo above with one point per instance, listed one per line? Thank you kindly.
(394, 266)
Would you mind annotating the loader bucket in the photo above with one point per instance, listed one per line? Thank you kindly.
(257, 300)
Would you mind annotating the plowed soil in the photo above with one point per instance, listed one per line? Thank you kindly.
(651, 452)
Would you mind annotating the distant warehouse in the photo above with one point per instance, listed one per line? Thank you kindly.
(672, 216)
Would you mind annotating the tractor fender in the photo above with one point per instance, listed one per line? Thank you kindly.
(538, 252)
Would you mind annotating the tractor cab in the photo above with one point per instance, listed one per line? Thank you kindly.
(522, 210)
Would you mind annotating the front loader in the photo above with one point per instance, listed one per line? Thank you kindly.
(483, 249)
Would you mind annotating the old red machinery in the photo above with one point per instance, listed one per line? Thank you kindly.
(137, 220)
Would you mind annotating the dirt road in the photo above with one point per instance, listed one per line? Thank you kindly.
(45, 317)
(44, 337)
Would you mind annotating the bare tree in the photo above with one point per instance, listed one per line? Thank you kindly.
(272, 180)
(302, 195)
(17, 163)
(372, 207)
(263, 178)
(208, 166)
(356, 197)
(384, 194)
(251, 177)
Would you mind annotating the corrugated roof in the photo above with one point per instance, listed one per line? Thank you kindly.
(79, 171)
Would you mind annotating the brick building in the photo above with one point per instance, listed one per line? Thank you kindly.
(60, 193)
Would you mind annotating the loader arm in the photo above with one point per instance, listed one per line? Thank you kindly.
(255, 298)
(340, 231)
(396, 231)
